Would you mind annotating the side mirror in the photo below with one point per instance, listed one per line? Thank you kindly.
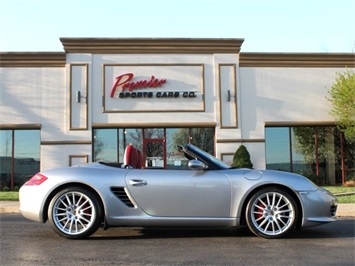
(197, 165)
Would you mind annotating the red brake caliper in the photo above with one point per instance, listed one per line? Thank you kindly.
(259, 214)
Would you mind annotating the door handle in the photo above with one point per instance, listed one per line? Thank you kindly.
(138, 182)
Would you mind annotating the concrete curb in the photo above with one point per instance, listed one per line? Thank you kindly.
(9, 207)
(344, 210)
(347, 210)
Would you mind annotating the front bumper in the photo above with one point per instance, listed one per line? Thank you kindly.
(318, 207)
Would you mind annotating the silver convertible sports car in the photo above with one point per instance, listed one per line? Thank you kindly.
(78, 200)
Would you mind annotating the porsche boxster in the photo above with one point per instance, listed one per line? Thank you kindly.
(78, 200)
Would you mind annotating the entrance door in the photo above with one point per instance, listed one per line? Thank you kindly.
(154, 148)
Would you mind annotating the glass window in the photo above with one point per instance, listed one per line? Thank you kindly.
(174, 158)
(178, 136)
(5, 158)
(277, 140)
(158, 146)
(303, 150)
(154, 133)
(314, 152)
(203, 138)
(133, 136)
(349, 159)
(109, 144)
(20, 157)
(105, 148)
(319, 151)
(27, 155)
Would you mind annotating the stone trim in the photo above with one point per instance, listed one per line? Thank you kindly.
(150, 45)
(32, 59)
(337, 60)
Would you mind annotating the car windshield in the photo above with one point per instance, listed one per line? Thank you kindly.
(209, 157)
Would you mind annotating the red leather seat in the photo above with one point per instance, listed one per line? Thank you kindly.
(132, 157)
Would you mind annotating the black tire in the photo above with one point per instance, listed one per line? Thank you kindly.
(75, 213)
(272, 213)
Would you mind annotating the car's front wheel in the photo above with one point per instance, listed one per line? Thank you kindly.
(271, 213)
(75, 213)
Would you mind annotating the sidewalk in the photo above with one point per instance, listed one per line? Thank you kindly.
(344, 210)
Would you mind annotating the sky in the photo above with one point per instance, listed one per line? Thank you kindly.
(285, 26)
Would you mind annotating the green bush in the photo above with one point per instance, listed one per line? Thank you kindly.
(241, 158)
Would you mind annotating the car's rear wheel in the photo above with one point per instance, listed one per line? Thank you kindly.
(75, 213)
(271, 213)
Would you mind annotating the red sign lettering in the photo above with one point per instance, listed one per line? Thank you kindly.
(125, 82)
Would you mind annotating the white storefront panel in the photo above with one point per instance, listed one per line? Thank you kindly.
(116, 83)
(280, 95)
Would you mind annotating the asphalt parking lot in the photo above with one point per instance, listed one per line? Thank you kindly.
(24, 242)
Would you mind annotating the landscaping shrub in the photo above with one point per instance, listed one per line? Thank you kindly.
(241, 158)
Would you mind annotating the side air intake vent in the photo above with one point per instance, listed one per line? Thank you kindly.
(333, 210)
(121, 194)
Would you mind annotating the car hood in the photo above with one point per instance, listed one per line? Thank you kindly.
(296, 181)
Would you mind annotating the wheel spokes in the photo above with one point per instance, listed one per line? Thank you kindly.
(272, 213)
(73, 213)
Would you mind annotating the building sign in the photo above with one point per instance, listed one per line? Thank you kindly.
(125, 83)
(153, 88)
(126, 88)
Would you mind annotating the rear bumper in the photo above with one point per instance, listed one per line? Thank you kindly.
(31, 203)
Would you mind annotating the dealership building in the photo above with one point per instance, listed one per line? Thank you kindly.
(90, 101)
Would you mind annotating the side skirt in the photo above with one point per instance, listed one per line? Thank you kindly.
(170, 221)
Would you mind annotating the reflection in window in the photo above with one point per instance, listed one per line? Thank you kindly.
(133, 136)
(311, 151)
(109, 144)
(278, 148)
(19, 157)
(303, 150)
(154, 133)
(5, 158)
(105, 145)
(203, 138)
(179, 136)
(175, 137)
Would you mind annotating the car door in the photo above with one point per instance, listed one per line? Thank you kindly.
(180, 193)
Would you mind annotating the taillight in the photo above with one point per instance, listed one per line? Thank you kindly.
(36, 180)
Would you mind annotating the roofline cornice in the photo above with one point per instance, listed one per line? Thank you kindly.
(32, 59)
(151, 45)
(58, 59)
(340, 60)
